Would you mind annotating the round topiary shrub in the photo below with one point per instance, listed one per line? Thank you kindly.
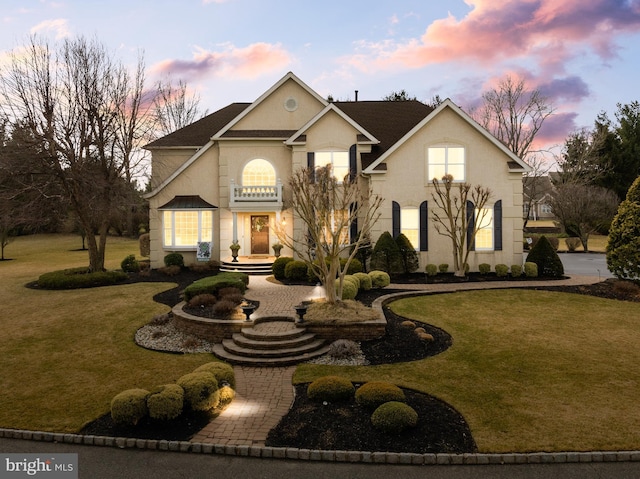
(353, 279)
(374, 393)
(516, 270)
(174, 259)
(296, 270)
(544, 255)
(443, 267)
(502, 270)
(166, 402)
(379, 279)
(130, 264)
(431, 269)
(330, 389)
(484, 268)
(129, 407)
(386, 254)
(365, 281)
(278, 266)
(349, 289)
(394, 417)
(201, 391)
(354, 267)
(530, 270)
(222, 371)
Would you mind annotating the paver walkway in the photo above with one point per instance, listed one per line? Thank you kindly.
(264, 395)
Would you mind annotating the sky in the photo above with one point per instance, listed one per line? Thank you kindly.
(583, 55)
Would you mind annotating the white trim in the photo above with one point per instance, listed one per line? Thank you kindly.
(254, 105)
(456, 109)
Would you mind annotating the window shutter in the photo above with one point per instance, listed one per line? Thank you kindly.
(395, 218)
(497, 226)
(353, 228)
(424, 230)
(471, 220)
(353, 165)
(311, 165)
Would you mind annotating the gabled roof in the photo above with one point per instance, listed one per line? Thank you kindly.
(363, 135)
(200, 132)
(515, 163)
(254, 105)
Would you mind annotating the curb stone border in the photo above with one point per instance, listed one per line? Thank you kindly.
(399, 458)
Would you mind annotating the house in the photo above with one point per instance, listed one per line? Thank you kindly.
(537, 198)
(223, 179)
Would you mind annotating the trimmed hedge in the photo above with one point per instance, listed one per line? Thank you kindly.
(130, 406)
(530, 270)
(278, 266)
(201, 391)
(76, 278)
(130, 264)
(331, 389)
(548, 261)
(349, 289)
(431, 269)
(166, 402)
(174, 259)
(296, 270)
(484, 268)
(394, 417)
(365, 281)
(211, 284)
(374, 393)
(379, 279)
(222, 371)
(502, 270)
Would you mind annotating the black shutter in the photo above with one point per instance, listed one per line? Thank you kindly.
(311, 165)
(353, 228)
(471, 220)
(353, 166)
(395, 218)
(424, 230)
(497, 226)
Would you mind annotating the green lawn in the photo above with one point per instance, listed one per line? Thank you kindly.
(65, 354)
(529, 370)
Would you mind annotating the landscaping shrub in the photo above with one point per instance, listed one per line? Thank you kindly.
(129, 407)
(516, 270)
(386, 255)
(201, 391)
(145, 245)
(572, 243)
(211, 284)
(530, 270)
(296, 270)
(408, 324)
(374, 393)
(76, 278)
(232, 294)
(330, 389)
(365, 281)
(222, 371)
(431, 269)
(554, 241)
(379, 279)
(394, 417)
(349, 290)
(174, 259)
(224, 308)
(502, 270)
(623, 248)
(626, 287)
(355, 266)
(343, 349)
(408, 254)
(443, 268)
(277, 268)
(484, 268)
(548, 261)
(211, 265)
(130, 264)
(352, 279)
(166, 402)
(202, 300)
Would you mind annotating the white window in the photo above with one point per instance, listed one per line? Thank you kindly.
(337, 226)
(185, 228)
(410, 225)
(339, 160)
(258, 173)
(446, 160)
(484, 236)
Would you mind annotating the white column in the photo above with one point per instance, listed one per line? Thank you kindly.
(235, 227)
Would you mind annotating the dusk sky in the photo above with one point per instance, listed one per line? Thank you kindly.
(583, 55)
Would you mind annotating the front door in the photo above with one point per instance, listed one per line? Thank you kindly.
(259, 235)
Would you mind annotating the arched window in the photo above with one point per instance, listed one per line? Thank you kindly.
(258, 172)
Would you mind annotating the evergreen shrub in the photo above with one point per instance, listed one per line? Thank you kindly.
(394, 417)
(166, 402)
(201, 391)
(484, 268)
(278, 266)
(516, 270)
(374, 393)
(330, 389)
(365, 281)
(530, 270)
(296, 270)
(547, 259)
(431, 269)
(379, 279)
(129, 407)
(623, 248)
(502, 270)
(174, 259)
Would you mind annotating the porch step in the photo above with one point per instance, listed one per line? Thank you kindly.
(247, 266)
(274, 343)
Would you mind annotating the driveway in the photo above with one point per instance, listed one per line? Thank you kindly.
(585, 264)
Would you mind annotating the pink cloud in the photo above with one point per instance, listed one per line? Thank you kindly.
(248, 62)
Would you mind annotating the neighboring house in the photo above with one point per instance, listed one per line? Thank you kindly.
(537, 198)
(224, 178)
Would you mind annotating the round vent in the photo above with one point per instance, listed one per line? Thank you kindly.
(291, 104)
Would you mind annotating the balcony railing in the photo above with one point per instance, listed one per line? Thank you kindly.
(256, 193)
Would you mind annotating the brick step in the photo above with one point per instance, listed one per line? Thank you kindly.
(266, 336)
(290, 342)
(220, 352)
(258, 268)
(231, 347)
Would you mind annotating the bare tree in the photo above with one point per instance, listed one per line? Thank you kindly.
(453, 217)
(175, 106)
(80, 103)
(583, 208)
(533, 184)
(328, 207)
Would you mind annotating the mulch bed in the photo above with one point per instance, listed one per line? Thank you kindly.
(346, 426)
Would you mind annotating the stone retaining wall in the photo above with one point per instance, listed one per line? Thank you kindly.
(214, 330)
